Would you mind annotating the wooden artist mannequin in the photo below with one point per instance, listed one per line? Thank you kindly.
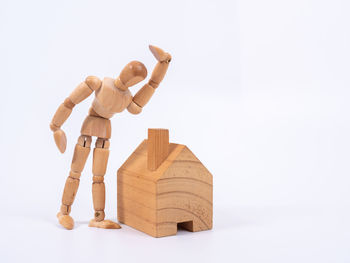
(111, 96)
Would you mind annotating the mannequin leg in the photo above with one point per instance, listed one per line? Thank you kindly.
(99, 166)
(81, 152)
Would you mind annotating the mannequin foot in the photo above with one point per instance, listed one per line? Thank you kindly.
(107, 224)
(66, 221)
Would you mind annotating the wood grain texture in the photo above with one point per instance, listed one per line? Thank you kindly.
(158, 147)
(133, 108)
(159, 54)
(110, 100)
(66, 221)
(79, 158)
(65, 209)
(143, 95)
(106, 224)
(99, 198)
(132, 73)
(70, 191)
(96, 126)
(100, 160)
(158, 74)
(61, 115)
(81, 92)
(93, 82)
(99, 166)
(60, 140)
(179, 192)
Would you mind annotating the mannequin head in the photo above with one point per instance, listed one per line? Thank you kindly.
(132, 73)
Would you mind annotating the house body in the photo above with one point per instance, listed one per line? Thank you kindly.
(162, 186)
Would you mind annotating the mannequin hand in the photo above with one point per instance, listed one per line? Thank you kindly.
(60, 140)
(159, 54)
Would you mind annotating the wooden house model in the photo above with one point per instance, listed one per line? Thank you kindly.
(162, 186)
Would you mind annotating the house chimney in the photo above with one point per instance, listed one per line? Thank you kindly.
(158, 147)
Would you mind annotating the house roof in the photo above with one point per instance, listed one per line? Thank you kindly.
(180, 157)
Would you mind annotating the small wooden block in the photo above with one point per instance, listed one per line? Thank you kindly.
(158, 144)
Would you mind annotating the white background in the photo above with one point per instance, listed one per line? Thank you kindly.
(258, 90)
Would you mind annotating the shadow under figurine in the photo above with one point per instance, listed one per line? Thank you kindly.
(111, 96)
